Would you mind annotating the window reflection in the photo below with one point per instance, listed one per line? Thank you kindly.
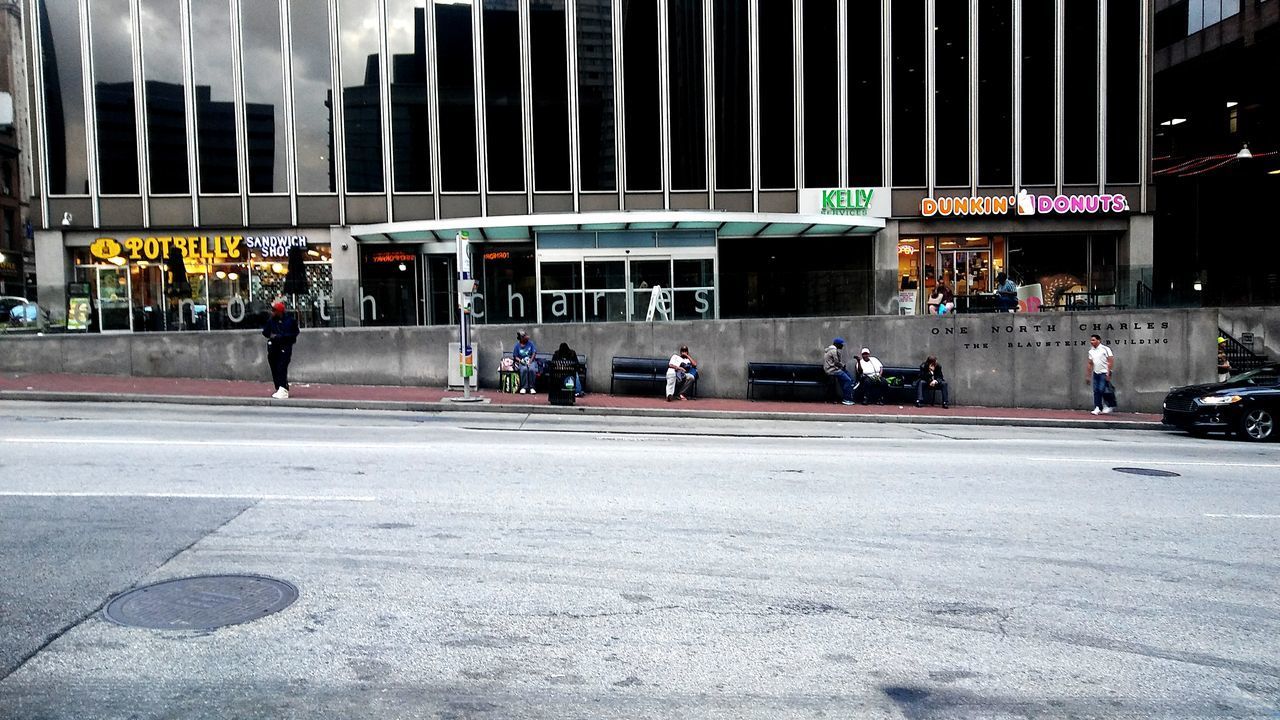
(995, 92)
(688, 130)
(640, 88)
(215, 106)
(547, 28)
(312, 95)
(951, 38)
(113, 96)
(731, 25)
(821, 97)
(1080, 104)
(1123, 85)
(67, 156)
(361, 104)
(866, 141)
(596, 122)
(410, 131)
(457, 98)
(777, 96)
(264, 97)
(504, 129)
(166, 101)
(1038, 98)
(908, 93)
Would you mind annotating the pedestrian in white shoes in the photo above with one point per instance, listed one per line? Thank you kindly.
(1099, 367)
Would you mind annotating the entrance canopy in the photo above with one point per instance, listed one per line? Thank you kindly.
(511, 228)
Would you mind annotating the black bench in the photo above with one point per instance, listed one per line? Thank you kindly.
(644, 370)
(900, 382)
(790, 376)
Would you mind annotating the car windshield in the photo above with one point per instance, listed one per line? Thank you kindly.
(1267, 373)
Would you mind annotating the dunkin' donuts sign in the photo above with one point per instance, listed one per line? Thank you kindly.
(1024, 203)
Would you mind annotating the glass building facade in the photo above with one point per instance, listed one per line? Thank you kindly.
(416, 117)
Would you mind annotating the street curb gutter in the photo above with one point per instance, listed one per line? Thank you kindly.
(577, 410)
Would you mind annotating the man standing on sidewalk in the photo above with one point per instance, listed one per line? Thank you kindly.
(1101, 362)
(281, 332)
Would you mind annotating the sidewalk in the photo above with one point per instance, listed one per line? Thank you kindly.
(111, 388)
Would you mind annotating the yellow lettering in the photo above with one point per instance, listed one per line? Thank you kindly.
(233, 246)
(134, 244)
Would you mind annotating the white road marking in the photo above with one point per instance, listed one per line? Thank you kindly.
(192, 496)
(1242, 516)
(1155, 462)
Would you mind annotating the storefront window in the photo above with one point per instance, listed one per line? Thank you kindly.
(510, 284)
(226, 291)
(388, 286)
(561, 292)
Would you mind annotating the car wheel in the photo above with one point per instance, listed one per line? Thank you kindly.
(1257, 424)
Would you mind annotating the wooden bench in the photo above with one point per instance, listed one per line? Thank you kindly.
(652, 371)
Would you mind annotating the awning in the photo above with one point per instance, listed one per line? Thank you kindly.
(512, 228)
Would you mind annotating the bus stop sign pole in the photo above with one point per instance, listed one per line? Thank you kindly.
(466, 291)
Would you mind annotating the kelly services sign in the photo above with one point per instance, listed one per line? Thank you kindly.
(855, 202)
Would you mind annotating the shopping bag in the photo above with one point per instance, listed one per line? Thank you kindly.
(1109, 394)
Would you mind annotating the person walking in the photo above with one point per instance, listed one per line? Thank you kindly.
(833, 365)
(525, 355)
(1099, 367)
(281, 332)
(931, 379)
(1224, 365)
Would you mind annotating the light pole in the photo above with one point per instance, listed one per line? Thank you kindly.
(466, 289)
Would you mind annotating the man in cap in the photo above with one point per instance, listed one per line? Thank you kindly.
(525, 355)
(870, 372)
(281, 332)
(1224, 365)
(833, 365)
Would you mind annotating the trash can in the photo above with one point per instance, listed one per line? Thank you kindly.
(561, 374)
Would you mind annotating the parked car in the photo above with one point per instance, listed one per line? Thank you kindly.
(1248, 404)
(18, 311)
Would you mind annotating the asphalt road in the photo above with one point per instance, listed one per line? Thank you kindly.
(507, 566)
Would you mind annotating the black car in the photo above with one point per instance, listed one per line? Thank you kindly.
(1248, 403)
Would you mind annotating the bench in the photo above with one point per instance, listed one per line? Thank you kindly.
(506, 378)
(901, 381)
(644, 370)
(790, 376)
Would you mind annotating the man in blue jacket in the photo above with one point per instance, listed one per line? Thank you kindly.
(281, 332)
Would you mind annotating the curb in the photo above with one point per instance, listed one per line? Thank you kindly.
(487, 407)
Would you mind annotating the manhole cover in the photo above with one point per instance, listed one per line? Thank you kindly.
(201, 603)
(1146, 471)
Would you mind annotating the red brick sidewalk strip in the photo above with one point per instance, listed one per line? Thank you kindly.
(40, 386)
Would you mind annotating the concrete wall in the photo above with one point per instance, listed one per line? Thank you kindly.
(1263, 322)
(1031, 360)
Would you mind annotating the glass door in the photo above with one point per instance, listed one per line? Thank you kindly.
(440, 297)
(606, 289)
(646, 275)
(147, 290)
(113, 299)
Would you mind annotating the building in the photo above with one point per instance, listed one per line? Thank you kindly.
(1217, 152)
(752, 159)
(17, 251)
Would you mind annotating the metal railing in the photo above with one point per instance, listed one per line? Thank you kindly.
(1240, 356)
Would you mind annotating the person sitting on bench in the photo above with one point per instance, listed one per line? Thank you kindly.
(678, 380)
(870, 379)
(931, 379)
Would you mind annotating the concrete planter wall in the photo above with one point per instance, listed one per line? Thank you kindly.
(1022, 360)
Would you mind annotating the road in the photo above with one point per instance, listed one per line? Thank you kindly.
(513, 566)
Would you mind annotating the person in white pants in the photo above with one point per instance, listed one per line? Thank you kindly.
(678, 379)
